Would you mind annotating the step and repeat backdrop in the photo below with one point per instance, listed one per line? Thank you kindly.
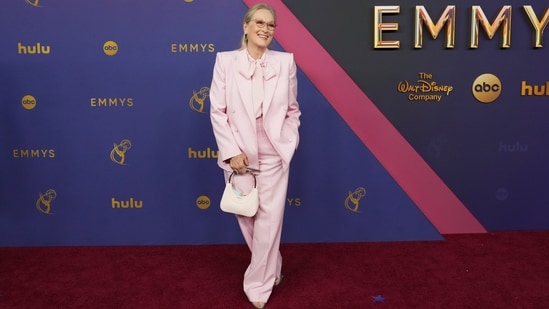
(419, 120)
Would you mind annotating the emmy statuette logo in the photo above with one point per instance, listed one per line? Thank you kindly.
(34, 3)
(197, 100)
(118, 152)
(352, 202)
(43, 203)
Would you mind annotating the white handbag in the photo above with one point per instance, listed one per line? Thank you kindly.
(238, 203)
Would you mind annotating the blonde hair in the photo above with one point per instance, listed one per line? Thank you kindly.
(248, 17)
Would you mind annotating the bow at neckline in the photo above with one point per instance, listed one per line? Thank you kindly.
(248, 69)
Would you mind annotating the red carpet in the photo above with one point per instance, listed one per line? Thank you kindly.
(500, 270)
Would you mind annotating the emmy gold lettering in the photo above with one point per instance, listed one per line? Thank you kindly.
(207, 47)
(539, 26)
(448, 18)
(381, 27)
(17, 153)
(183, 48)
(111, 102)
(534, 90)
(33, 153)
(294, 201)
(503, 18)
(192, 48)
(37, 49)
(203, 154)
(478, 23)
(129, 204)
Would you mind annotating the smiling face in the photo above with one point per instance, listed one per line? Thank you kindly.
(259, 31)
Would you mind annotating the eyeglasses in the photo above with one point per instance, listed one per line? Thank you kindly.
(262, 24)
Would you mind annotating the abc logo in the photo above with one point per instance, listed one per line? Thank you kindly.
(486, 88)
(28, 102)
(110, 48)
(203, 202)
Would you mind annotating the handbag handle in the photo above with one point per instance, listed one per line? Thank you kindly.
(255, 180)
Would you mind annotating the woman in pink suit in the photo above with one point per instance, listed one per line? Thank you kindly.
(255, 120)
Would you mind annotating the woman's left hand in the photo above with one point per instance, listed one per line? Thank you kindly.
(239, 163)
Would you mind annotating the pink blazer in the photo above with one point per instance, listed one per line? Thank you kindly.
(232, 112)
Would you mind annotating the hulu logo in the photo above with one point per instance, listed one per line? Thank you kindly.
(37, 49)
(131, 203)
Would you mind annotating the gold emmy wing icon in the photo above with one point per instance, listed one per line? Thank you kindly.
(197, 100)
(353, 199)
(43, 203)
(118, 152)
(33, 2)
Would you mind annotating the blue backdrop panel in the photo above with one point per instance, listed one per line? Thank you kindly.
(106, 138)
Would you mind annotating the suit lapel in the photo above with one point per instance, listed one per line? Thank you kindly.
(270, 74)
(244, 81)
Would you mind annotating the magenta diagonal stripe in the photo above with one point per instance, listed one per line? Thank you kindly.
(431, 195)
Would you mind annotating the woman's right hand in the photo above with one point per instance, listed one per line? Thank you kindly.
(238, 163)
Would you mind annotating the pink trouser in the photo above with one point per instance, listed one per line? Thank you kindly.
(262, 232)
